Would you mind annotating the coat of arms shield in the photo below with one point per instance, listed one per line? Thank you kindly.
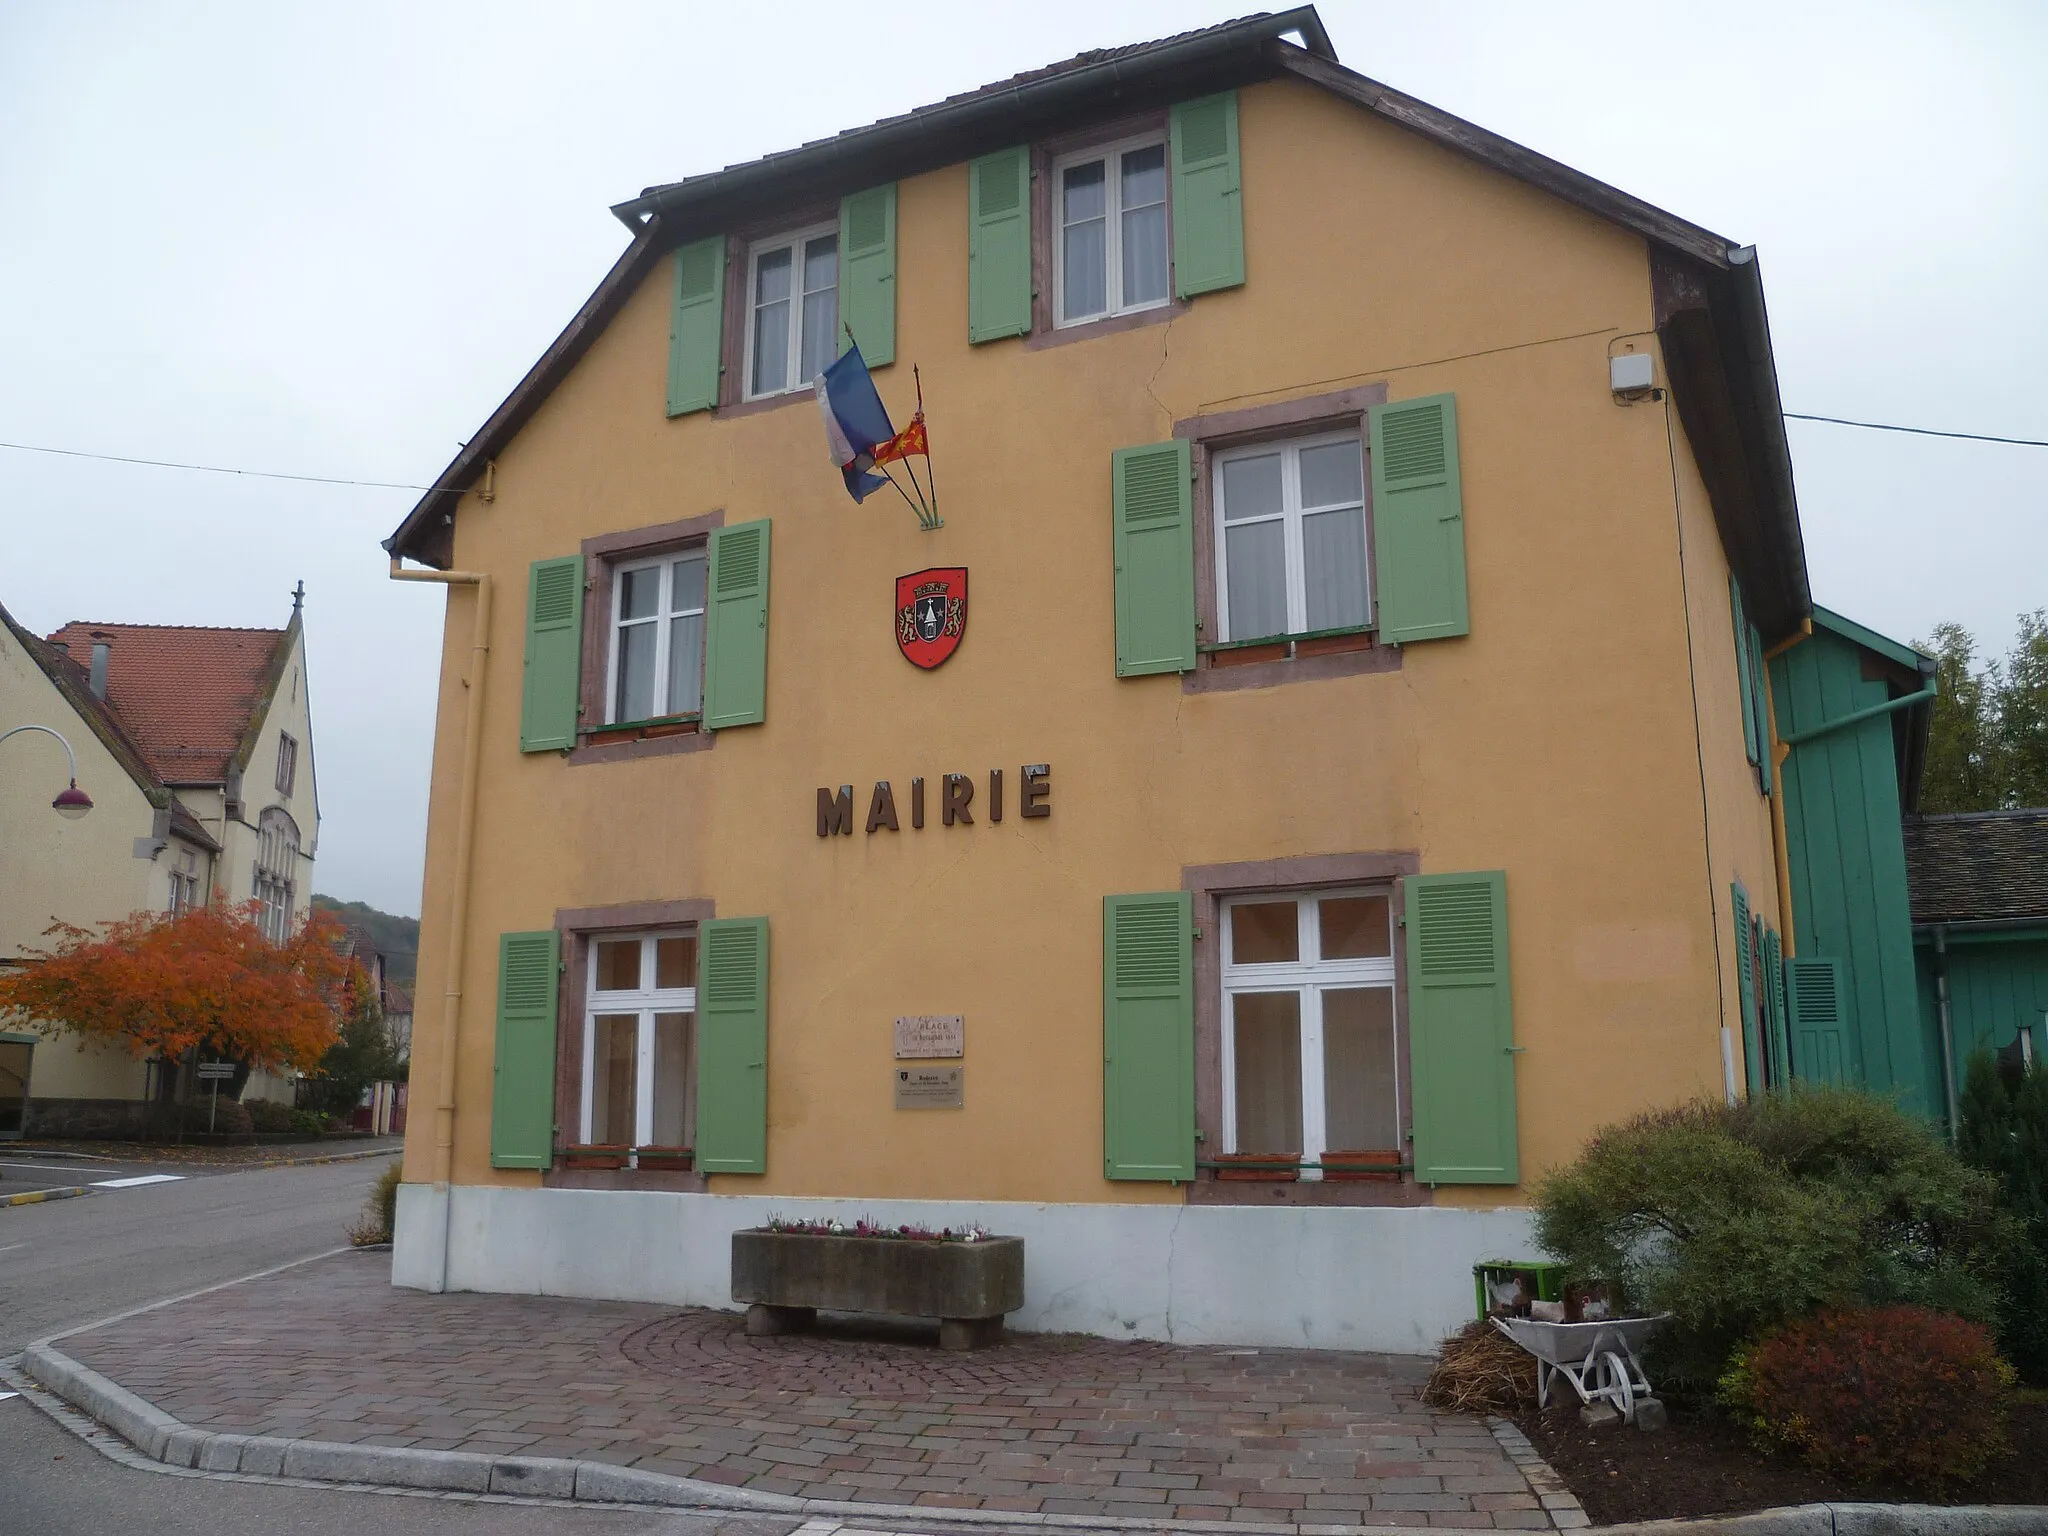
(931, 614)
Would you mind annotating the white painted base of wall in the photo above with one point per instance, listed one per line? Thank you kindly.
(1336, 1277)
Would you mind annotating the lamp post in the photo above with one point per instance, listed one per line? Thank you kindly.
(70, 803)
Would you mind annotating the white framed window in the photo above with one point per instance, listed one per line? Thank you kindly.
(1310, 1033)
(287, 762)
(184, 883)
(1110, 231)
(1291, 556)
(640, 1040)
(656, 665)
(792, 310)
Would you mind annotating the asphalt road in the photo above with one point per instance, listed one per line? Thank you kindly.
(68, 1262)
(23, 1171)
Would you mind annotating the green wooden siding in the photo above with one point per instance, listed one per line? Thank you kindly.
(1461, 1029)
(1208, 202)
(1418, 510)
(1148, 1036)
(523, 1081)
(696, 323)
(1848, 865)
(1153, 540)
(867, 272)
(999, 245)
(736, 627)
(554, 655)
(1997, 985)
(732, 1046)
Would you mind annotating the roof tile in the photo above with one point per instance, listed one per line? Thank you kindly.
(183, 693)
(1977, 867)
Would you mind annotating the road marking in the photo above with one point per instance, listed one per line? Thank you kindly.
(6, 1395)
(52, 1167)
(10, 1247)
(140, 1178)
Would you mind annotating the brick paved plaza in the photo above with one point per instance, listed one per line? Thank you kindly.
(1057, 1424)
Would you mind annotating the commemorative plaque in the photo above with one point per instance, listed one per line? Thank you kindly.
(922, 1036)
(930, 1087)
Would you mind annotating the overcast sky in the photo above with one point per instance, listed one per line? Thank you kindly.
(329, 239)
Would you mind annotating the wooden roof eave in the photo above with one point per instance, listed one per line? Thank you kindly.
(427, 534)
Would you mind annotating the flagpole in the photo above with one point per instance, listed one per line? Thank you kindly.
(918, 379)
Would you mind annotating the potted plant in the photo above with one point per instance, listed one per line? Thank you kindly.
(1381, 1166)
(595, 1156)
(665, 1159)
(1259, 1165)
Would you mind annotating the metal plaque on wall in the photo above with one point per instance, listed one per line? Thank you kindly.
(931, 1087)
(920, 1036)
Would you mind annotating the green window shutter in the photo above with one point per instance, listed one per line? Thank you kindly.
(736, 631)
(523, 1090)
(1148, 1036)
(732, 1046)
(1152, 508)
(1760, 705)
(1745, 672)
(1208, 209)
(1418, 514)
(867, 272)
(1774, 1009)
(1813, 998)
(1746, 961)
(999, 245)
(554, 655)
(1461, 1029)
(696, 326)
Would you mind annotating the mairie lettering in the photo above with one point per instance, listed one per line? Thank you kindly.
(956, 802)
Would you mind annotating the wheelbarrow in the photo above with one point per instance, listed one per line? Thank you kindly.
(1601, 1360)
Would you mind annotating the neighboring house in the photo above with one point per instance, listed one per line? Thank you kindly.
(392, 999)
(398, 1019)
(196, 747)
(1979, 891)
(1354, 783)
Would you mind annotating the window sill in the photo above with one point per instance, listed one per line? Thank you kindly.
(1228, 665)
(756, 406)
(1286, 1189)
(641, 738)
(1056, 336)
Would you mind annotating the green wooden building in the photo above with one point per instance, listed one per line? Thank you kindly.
(1915, 940)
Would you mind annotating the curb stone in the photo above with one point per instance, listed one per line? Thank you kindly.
(1559, 1502)
(38, 1196)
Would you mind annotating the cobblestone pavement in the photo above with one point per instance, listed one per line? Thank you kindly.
(1054, 1424)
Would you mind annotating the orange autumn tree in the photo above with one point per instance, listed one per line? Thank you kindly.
(206, 979)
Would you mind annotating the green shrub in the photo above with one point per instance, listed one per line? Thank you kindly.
(2002, 1128)
(1736, 1219)
(307, 1123)
(269, 1117)
(1897, 1393)
(380, 1212)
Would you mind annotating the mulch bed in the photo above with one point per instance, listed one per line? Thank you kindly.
(1703, 1465)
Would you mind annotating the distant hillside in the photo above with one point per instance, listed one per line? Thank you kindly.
(397, 938)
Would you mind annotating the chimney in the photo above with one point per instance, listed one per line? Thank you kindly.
(98, 678)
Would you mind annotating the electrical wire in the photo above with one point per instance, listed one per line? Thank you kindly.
(217, 469)
(1883, 426)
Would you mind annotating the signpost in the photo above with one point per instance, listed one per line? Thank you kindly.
(213, 1072)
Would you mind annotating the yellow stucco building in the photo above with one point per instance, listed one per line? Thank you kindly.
(1360, 534)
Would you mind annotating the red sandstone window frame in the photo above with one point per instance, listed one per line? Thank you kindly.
(603, 558)
(1212, 886)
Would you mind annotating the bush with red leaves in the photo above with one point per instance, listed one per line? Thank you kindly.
(1901, 1394)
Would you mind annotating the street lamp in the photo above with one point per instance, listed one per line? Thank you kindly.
(70, 803)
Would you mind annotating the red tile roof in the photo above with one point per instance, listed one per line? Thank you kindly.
(184, 694)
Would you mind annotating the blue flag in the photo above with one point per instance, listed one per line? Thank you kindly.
(856, 423)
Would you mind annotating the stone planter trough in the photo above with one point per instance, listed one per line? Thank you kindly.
(783, 1278)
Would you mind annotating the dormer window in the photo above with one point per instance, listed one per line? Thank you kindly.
(792, 310)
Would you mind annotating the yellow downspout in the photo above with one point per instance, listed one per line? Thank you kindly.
(458, 905)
